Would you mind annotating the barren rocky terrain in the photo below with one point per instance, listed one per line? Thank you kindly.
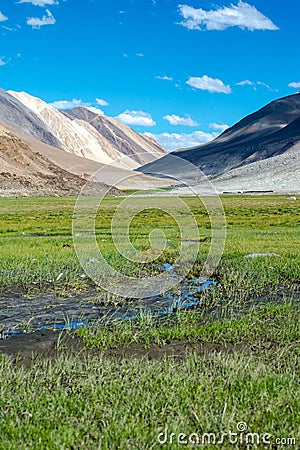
(24, 172)
(89, 135)
(259, 153)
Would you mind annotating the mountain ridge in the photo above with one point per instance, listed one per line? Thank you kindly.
(77, 132)
(270, 131)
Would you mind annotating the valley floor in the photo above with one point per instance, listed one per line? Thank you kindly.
(229, 365)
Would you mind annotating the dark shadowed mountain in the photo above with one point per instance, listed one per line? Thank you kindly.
(269, 132)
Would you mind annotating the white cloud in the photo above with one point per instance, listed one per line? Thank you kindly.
(219, 126)
(3, 18)
(140, 55)
(8, 28)
(245, 83)
(242, 15)
(95, 110)
(69, 104)
(2, 62)
(76, 103)
(37, 22)
(39, 2)
(294, 84)
(101, 102)
(164, 77)
(206, 83)
(136, 118)
(254, 84)
(261, 83)
(173, 119)
(174, 141)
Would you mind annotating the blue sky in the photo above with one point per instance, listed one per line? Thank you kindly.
(180, 70)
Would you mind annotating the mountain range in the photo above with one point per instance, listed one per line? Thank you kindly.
(47, 151)
(76, 142)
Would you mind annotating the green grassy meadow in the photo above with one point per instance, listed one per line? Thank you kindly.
(232, 360)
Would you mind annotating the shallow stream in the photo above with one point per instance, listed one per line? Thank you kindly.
(20, 314)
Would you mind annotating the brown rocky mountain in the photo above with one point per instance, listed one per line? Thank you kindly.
(25, 172)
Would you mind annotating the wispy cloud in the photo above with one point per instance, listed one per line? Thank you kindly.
(245, 83)
(254, 84)
(219, 126)
(2, 61)
(187, 121)
(174, 141)
(294, 84)
(164, 77)
(136, 118)
(69, 104)
(261, 83)
(140, 55)
(39, 2)
(242, 15)
(3, 18)
(37, 22)
(9, 29)
(206, 83)
(101, 102)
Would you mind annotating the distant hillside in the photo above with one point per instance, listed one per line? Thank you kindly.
(90, 135)
(25, 172)
(269, 132)
(126, 141)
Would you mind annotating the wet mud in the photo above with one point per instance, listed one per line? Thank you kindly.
(19, 314)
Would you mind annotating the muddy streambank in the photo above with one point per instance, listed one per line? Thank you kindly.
(19, 314)
(30, 348)
(45, 343)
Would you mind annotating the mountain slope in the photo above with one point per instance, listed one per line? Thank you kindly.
(280, 174)
(75, 136)
(24, 172)
(91, 136)
(112, 175)
(271, 131)
(129, 143)
(14, 113)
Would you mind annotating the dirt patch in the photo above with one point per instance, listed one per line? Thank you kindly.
(27, 349)
(178, 350)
